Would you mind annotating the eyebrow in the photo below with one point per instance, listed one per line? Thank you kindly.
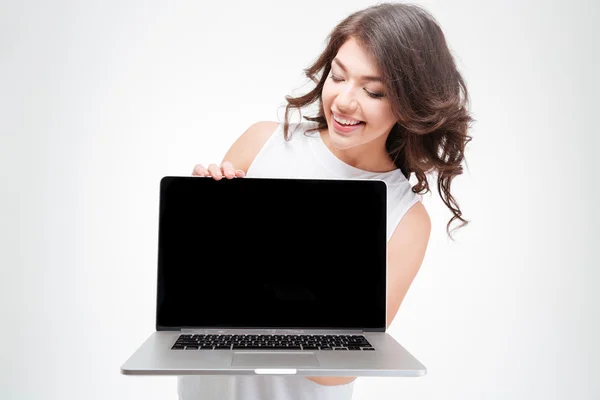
(364, 78)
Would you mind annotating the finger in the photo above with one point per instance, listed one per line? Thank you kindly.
(239, 173)
(200, 170)
(228, 169)
(215, 171)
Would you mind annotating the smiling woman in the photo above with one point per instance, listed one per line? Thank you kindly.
(390, 103)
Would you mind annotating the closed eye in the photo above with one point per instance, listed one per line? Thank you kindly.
(371, 94)
(375, 95)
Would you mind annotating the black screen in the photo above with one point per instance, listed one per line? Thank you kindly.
(271, 253)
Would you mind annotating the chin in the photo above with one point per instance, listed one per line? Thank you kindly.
(340, 141)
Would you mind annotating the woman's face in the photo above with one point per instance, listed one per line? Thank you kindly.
(356, 107)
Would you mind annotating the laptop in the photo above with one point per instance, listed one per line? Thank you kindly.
(272, 276)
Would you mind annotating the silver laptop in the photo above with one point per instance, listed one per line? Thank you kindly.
(272, 276)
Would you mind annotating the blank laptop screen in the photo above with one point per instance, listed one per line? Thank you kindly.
(271, 253)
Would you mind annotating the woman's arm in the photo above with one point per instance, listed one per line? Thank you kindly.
(243, 151)
(241, 154)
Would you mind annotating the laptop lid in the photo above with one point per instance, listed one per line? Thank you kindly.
(271, 253)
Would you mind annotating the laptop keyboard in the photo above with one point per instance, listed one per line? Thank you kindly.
(272, 342)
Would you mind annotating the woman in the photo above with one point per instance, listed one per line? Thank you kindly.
(391, 103)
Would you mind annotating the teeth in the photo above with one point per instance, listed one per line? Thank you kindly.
(346, 121)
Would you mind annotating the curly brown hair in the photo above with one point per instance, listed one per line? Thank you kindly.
(428, 95)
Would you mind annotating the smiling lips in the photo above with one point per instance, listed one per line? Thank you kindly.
(345, 125)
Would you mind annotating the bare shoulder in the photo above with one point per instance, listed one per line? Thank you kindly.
(243, 151)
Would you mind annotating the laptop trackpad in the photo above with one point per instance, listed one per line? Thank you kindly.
(264, 359)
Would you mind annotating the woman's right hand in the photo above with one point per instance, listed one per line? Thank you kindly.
(218, 172)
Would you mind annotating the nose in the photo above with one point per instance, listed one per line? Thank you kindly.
(345, 101)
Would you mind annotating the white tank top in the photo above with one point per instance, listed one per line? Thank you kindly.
(304, 156)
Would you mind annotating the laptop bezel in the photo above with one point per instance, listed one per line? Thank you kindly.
(383, 213)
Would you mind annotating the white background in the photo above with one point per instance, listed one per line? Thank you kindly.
(100, 99)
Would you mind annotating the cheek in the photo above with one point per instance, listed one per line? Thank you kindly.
(379, 114)
(326, 97)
